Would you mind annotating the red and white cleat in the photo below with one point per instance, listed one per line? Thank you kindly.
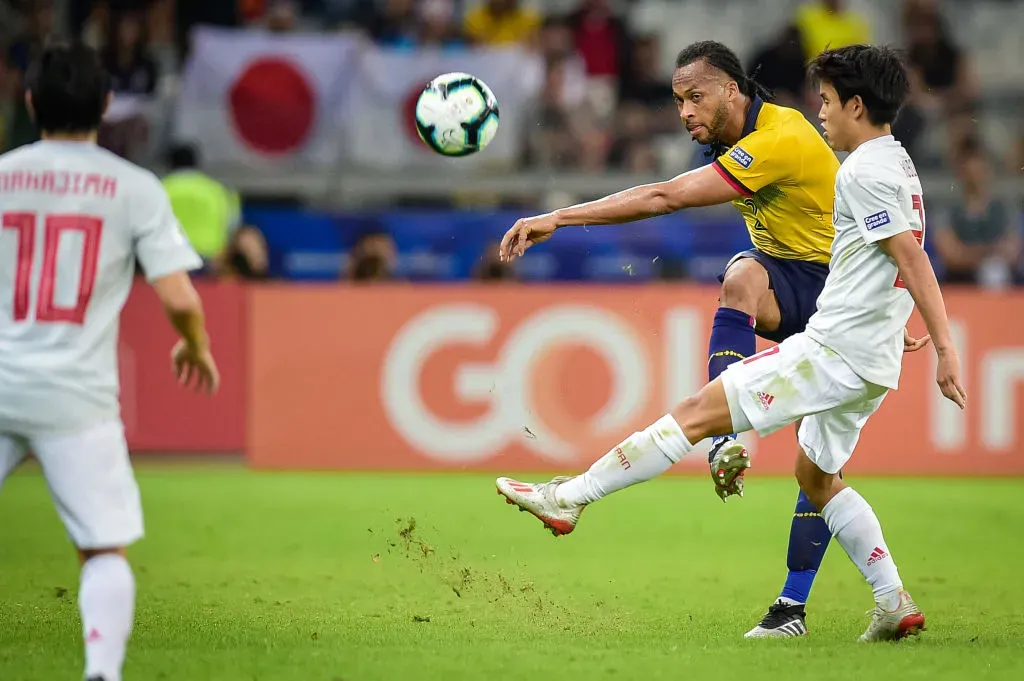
(892, 625)
(538, 498)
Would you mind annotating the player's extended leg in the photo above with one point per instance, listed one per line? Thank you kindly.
(853, 522)
(643, 455)
(90, 477)
(746, 300)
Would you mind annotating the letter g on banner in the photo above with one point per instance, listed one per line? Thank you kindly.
(512, 383)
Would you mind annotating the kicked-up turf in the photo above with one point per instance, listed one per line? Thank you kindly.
(328, 577)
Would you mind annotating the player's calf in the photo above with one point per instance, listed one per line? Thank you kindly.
(106, 600)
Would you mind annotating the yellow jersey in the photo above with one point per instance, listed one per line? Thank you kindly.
(787, 174)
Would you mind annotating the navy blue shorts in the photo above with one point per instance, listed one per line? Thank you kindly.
(796, 283)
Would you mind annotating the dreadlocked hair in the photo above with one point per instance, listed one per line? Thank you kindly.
(717, 55)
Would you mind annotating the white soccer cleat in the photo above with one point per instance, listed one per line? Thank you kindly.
(893, 625)
(538, 498)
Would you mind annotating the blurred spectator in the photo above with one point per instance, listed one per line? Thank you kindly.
(644, 84)
(646, 110)
(93, 25)
(602, 41)
(557, 43)
(980, 242)
(24, 47)
(942, 77)
(781, 67)
(828, 24)
(349, 12)
(282, 16)
(29, 42)
(634, 147)
(491, 269)
(210, 215)
(246, 255)
(396, 24)
(561, 135)
(502, 22)
(133, 80)
(437, 24)
(374, 257)
(600, 38)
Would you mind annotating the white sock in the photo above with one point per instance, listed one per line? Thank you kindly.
(106, 599)
(854, 524)
(643, 455)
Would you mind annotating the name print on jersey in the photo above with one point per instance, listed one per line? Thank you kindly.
(60, 183)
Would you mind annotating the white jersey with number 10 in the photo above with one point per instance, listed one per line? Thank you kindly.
(864, 306)
(74, 219)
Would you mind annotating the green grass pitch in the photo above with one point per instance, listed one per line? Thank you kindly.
(328, 577)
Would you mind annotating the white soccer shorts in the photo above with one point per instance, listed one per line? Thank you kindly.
(800, 378)
(91, 480)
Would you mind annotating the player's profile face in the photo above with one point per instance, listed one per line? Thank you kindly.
(701, 95)
(833, 116)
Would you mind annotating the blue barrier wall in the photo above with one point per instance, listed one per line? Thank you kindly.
(440, 245)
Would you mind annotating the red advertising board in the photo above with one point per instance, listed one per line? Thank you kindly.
(506, 378)
(158, 414)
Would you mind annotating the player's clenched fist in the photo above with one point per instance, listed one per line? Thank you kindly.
(525, 233)
(195, 366)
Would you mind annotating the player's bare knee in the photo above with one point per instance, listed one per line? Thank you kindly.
(705, 414)
(692, 416)
(744, 285)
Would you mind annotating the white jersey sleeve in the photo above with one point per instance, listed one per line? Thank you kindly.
(873, 198)
(159, 242)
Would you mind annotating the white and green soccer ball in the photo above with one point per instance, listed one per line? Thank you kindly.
(457, 114)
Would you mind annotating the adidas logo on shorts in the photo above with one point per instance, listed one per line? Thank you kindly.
(765, 399)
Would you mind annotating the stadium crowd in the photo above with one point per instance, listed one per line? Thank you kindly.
(605, 104)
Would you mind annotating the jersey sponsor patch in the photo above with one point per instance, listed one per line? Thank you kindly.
(877, 220)
(743, 158)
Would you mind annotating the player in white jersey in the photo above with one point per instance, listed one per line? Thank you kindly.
(74, 220)
(832, 377)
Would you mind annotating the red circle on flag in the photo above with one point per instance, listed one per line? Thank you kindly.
(272, 105)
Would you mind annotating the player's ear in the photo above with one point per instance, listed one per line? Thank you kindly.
(28, 104)
(732, 89)
(858, 109)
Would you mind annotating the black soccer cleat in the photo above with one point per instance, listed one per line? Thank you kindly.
(781, 620)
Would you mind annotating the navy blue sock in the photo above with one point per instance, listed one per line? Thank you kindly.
(732, 339)
(808, 539)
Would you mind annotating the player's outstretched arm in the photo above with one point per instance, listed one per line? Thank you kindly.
(919, 277)
(701, 187)
(191, 357)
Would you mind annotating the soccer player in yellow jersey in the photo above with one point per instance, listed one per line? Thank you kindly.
(774, 166)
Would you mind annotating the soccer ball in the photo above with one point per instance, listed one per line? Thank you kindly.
(456, 114)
